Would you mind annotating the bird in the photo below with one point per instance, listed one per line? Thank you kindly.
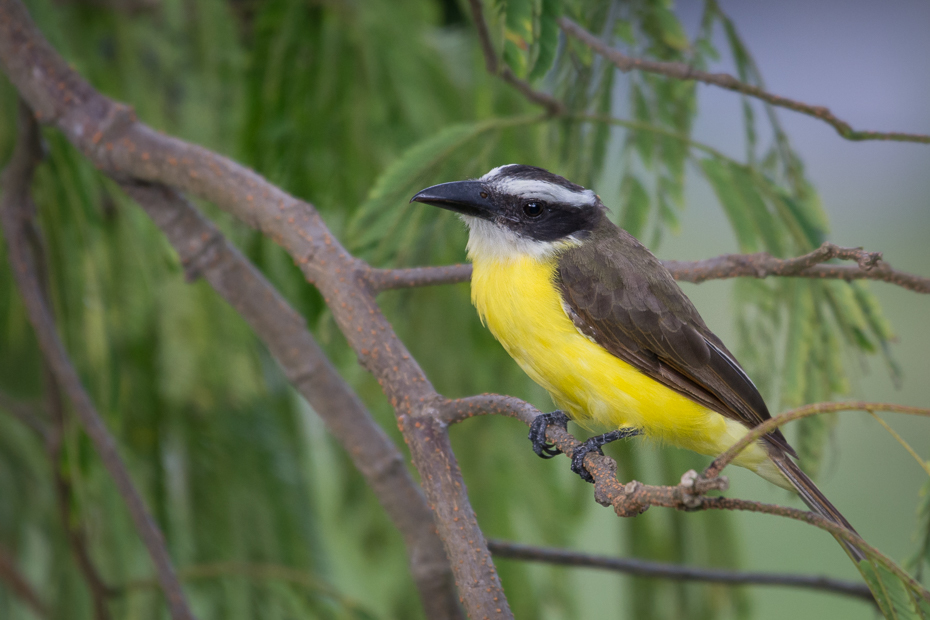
(592, 316)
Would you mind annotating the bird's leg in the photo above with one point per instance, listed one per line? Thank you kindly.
(537, 435)
(594, 445)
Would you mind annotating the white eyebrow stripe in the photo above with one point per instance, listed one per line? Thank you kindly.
(494, 172)
(543, 190)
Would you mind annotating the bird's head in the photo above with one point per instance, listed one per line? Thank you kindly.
(518, 210)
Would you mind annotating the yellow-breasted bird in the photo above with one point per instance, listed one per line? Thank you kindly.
(593, 317)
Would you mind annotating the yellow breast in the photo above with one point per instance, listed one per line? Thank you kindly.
(518, 301)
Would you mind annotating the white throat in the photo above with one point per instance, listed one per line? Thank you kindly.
(489, 242)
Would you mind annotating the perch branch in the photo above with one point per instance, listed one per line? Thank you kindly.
(659, 570)
(682, 71)
(206, 253)
(16, 210)
(634, 498)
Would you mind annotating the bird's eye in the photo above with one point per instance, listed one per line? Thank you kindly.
(532, 209)
(483, 194)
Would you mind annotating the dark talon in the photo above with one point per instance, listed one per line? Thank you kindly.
(594, 444)
(537, 435)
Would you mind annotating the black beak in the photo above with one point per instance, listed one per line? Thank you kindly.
(465, 197)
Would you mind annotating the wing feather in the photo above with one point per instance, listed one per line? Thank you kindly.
(619, 295)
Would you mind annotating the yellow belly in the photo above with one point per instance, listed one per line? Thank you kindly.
(517, 300)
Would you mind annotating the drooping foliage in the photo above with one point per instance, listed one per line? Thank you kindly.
(354, 106)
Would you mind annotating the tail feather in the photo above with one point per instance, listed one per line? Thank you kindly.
(815, 499)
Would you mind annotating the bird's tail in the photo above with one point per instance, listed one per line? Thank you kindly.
(815, 499)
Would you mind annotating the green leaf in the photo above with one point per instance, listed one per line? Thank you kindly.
(921, 556)
(671, 30)
(635, 205)
(518, 34)
(767, 226)
(718, 173)
(548, 40)
(386, 204)
(797, 351)
(896, 599)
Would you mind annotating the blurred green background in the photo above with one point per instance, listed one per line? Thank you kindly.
(355, 106)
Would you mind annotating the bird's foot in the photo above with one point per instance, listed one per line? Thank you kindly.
(541, 447)
(594, 445)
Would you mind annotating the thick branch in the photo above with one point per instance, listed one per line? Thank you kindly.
(646, 568)
(109, 135)
(15, 211)
(494, 66)
(18, 584)
(206, 253)
(682, 71)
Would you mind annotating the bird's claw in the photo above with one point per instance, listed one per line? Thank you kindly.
(594, 444)
(537, 435)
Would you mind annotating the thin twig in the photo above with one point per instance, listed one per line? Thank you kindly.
(769, 425)
(682, 71)
(870, 266)
(74, 529)
(494, 66)
(15, 210)
(925, 465)
(206, 253)
(27, 412)
(19, 585)
(256, 572)
(54, 404)
(51, 437)
(660, 570)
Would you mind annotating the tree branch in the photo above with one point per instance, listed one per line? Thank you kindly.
(206, 253)
(682, 71)
(771, 424)
(389, 279)
(16, 210)
(494, 66)
(18, 584)
(634, 498)
(74, 530)
(763, 265)
(109, 135)
(870, 266)
(646, 568)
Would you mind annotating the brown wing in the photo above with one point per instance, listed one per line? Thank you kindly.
(617, 293)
